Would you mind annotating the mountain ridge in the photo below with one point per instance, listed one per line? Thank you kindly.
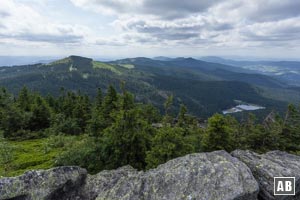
(142, 76)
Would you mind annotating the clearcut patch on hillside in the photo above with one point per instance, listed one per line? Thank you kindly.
(101, 65)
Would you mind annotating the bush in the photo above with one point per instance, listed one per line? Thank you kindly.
(6, 155)
(80, 153)
(167, 144)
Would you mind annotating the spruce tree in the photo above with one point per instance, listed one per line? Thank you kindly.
(109, 105)
(98, 100)
(182, 119)
(41, 114)
(168, 119)
(168, 143)
(218, 135)
(291, 129)
(127, 140)
(24, 99)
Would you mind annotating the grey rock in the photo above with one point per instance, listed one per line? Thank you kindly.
(53, 184)
(265, 167)
(202, 176)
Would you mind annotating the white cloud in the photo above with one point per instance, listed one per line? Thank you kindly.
(216, 23)
(145, 24)
(24, 23)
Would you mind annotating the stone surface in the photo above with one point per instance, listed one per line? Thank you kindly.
(272, 164)
(56, 183)
(203, 176)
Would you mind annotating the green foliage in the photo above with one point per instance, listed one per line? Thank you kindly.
(167, 106)
(182, 118)
(218, 134)
(6, 156)
(128, 66)
(81, 152)
(101, 65)
(24, 99)
(127, 140)
(61, 124)
(149, 113)
(167, 143)
(41, 115)
(27, 155)
(99, 99)
(113, 130)
(291, 129)
(109, 106)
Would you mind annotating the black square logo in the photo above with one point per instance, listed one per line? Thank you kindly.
(284, 185)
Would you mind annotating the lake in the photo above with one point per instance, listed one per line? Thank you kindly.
(242, 107)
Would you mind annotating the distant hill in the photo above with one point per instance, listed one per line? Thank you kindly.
(162, 58)
(286, 71)
(205, 87)
(22, 60)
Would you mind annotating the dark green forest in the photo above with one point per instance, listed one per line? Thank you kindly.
(205, 88)
(112, 129)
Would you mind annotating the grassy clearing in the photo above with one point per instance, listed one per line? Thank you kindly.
(35, 154)
(100, 65)
(61, 61)
(128, 66)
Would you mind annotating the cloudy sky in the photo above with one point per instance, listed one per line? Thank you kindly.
(130, 28)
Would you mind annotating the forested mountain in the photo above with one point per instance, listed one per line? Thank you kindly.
(286, 71)
(205, 87)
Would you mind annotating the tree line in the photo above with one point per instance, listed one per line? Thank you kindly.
(119, 131)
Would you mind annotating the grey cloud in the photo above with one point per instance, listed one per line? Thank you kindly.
(273, 10)
(115, 5)
(4, 14)
(165, 9)
(109, 43)
(176, 8)
(180, 30)
(176, 36)
(285, 33)
(2, 26)
(273, 38)
(222, 26)
(163, 33)
(50, 38)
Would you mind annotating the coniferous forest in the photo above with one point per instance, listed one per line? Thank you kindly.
(113, 130)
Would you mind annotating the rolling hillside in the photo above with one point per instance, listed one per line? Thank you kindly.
(204, 87)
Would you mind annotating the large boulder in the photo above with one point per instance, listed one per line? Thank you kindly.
(53, 184)
(203, 176)
(265, 167)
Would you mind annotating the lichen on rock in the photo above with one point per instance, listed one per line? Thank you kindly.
(265, 167)
(201, 176)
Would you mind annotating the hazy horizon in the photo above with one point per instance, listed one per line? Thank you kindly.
(111, 29)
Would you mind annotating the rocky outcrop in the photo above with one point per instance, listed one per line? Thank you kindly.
(203, 176)
(57, 183)
(243, 175)
(265, 167)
